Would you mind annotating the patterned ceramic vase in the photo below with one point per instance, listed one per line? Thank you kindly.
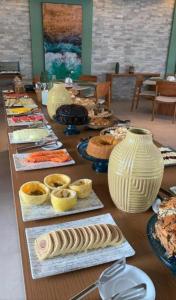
(57, 96)
(135, 171)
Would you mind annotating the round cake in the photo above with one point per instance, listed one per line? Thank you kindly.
(101, 146)
(72, 114)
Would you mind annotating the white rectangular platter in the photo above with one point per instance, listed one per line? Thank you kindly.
(21, 165)
(169, 156)
(12, 123)
(71, 262)
(46, 211)
(50, 137)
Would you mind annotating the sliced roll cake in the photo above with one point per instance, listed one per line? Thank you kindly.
(74, 240)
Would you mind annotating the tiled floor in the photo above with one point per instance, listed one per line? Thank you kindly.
(11, 278)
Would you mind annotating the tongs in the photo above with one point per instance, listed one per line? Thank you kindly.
(38, 144)
(107, 275)
(133, 293)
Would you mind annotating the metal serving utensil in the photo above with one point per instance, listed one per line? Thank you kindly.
(135, 292)
(107, 275)
(38, 144)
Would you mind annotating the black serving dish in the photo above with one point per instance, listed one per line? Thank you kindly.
(99, 165)
(158, 249)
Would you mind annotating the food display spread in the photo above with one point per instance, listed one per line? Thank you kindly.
(61, 247)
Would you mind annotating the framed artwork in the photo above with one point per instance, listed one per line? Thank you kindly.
(62, 39)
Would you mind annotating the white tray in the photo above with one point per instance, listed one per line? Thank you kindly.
(46, 211)
(20, 165)
(71, 262)
(168, 152)
(51, 136)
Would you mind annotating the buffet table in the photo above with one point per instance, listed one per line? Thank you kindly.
(133, 226)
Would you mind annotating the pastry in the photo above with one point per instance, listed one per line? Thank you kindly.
(82, 187)
(100, 122)
(165, 227)
(74, 240)
(63, 199)
(165, 231)
(101, 146)
(167, 207)
(116, 132)
(33, 193)
(57, 181)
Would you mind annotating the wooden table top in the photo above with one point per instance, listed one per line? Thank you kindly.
(133, 226)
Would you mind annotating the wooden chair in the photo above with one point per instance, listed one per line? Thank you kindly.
(92, 78)
(103, 90)
(91, 91)
(139, 93)
(165, 94)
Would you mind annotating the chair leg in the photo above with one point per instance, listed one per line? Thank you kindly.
(132, 104)
(153, 110)
(173, 121)
(137, 100)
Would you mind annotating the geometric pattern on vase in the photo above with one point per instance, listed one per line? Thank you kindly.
(135, 172)
(57, 96)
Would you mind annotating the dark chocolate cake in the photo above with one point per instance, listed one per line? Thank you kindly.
(72, 114)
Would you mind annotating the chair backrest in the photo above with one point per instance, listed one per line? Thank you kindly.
(92, 78)
(166, 88)
(103, 91)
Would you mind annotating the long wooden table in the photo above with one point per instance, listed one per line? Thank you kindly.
(61, 287)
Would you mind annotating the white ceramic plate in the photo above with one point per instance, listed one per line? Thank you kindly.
(173, 189)
(21, 165)
(156, 204)
(129, 277)
(46, 211)
(54, 146)
(76, 261)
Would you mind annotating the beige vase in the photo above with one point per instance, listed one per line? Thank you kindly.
(57, 96)
(135, 171)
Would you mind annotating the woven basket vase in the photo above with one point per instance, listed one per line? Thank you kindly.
(57, 96)
(135, 171)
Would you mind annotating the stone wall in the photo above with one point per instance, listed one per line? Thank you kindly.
(128, 31)
(15, 39)
(131, 32)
